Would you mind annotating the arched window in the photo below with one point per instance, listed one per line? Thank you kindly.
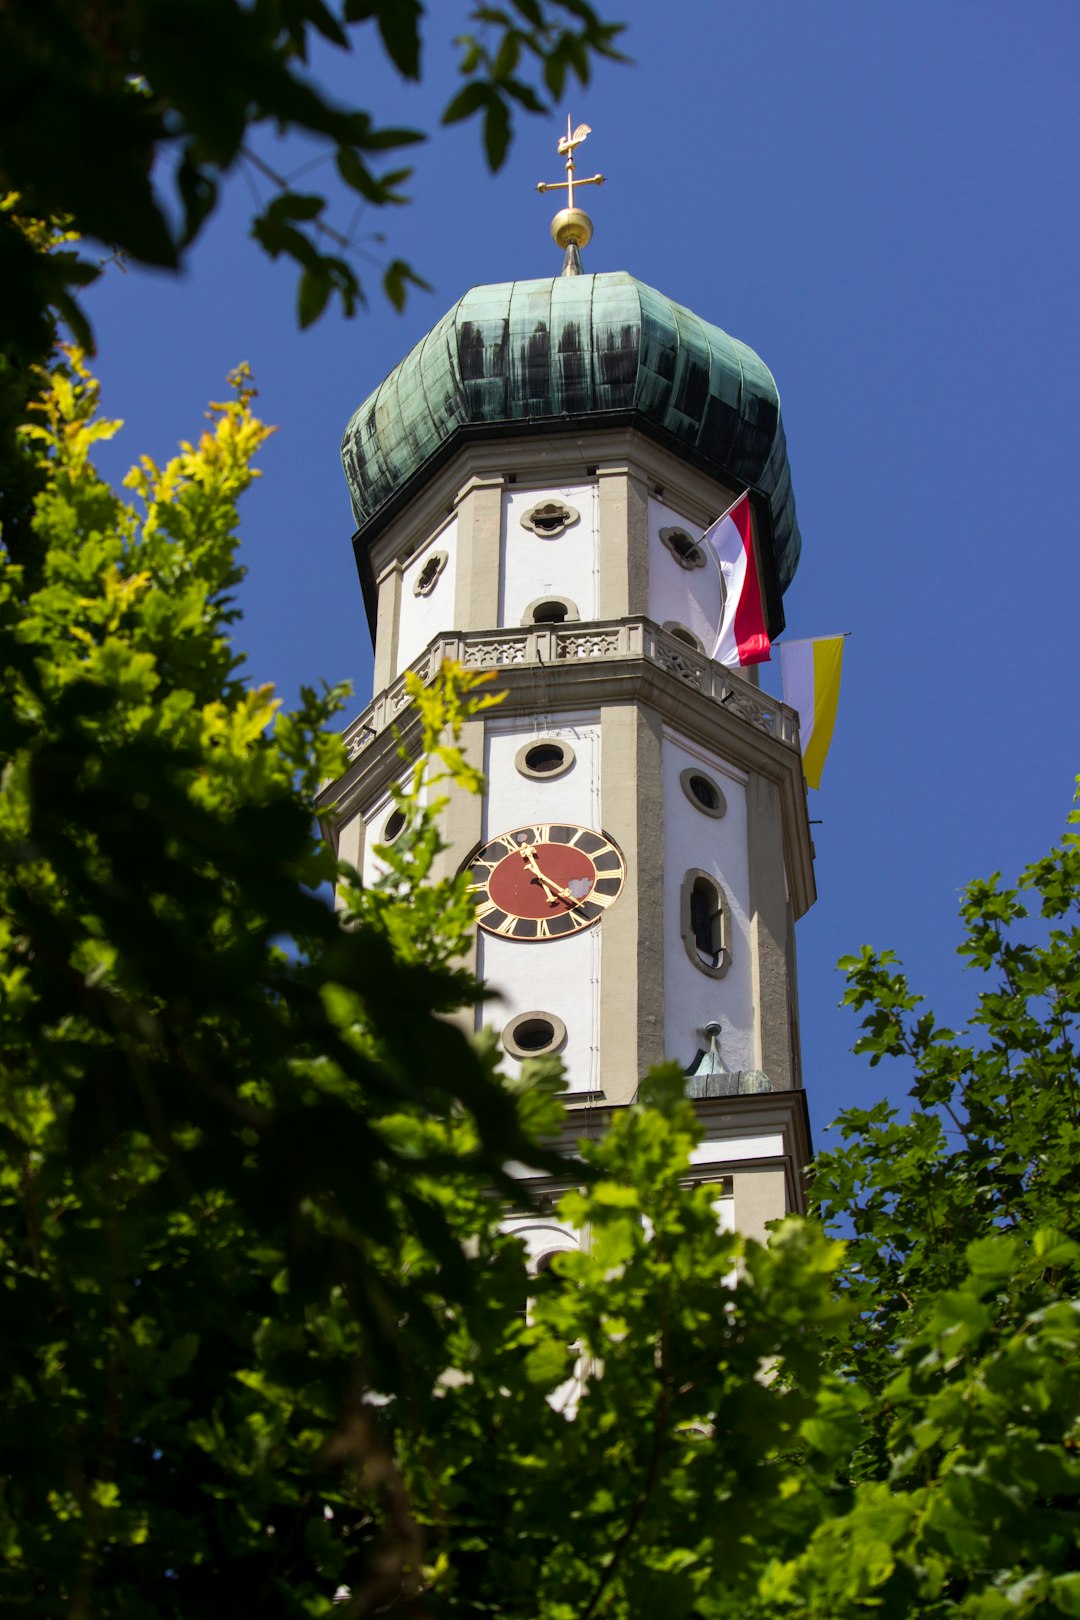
(683, 633)
(550, 610)
(706, 923)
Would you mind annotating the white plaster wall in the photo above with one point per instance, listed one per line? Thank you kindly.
(513, 800)
(689, 596)
(532, 566)
(717, 846)
(561, 976)
(374, 823)
(422, 617)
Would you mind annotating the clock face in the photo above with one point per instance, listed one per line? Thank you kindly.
(546, 881)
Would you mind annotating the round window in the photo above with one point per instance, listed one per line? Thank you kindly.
(545, 758)
(394, 826)
(533, 1034)
(703, 792)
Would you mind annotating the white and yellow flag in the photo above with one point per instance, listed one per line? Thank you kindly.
(811, 676)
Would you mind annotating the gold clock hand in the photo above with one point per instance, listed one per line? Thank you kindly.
(550, 886)
(551, 890)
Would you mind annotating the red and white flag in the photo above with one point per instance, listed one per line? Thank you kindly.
(741, 636)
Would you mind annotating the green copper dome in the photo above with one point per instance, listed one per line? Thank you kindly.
(576, 352)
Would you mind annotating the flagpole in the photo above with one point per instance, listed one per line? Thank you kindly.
(727, 509)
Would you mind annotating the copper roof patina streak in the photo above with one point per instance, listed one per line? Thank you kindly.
(590, 350)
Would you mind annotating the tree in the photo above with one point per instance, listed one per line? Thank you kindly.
(963, 1269)
(123, 119)
(264, 1344)
(226, 1119)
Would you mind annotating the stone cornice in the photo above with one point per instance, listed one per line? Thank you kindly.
(725, 1121)
(573, 667)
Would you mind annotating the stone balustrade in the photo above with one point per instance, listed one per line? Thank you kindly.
(631, 640)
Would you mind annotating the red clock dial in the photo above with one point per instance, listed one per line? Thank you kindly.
(546, 881)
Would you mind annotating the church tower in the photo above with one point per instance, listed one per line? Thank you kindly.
(530, 486)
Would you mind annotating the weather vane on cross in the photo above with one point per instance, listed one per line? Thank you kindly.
(572, 228)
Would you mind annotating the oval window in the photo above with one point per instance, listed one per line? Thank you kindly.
(532, 1034)
(394, 826)
(546, 758)
(703, 792)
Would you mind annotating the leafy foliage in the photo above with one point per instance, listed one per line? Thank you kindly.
(426, 918)
(616, 1451)
(231, 1128)
(963, 1270)
(105, 106)
(265, 1346)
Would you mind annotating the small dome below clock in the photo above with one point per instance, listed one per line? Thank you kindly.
(575, 352)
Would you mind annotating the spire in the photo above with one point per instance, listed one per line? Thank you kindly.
(572, 228)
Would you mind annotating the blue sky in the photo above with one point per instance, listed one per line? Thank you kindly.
(882, 201)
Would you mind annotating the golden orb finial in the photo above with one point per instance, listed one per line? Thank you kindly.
(572, 228)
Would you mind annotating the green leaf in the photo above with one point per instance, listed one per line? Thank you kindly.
(315, 289)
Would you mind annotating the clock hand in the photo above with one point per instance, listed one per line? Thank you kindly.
(551, 890)
(528, 855)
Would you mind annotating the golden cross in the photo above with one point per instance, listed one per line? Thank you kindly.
(567, 144)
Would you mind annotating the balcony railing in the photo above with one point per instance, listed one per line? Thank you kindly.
(603, 642)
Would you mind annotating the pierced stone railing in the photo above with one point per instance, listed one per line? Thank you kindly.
(607, 641)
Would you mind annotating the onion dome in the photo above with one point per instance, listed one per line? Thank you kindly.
(575, 352)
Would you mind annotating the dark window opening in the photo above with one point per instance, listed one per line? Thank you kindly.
(549, 613)
(705, 920)
(395, 823)
(687, 551)
(545, 757)
(705, 792)
(547, 522)
(430, 574)
(534, 1034)
(684, 547)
